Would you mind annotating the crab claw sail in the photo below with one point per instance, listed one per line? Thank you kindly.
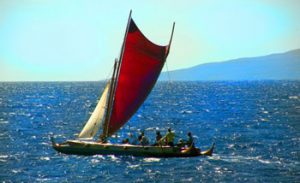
(141, 64)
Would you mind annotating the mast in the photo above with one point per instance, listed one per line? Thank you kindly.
(115, 77)
(109, 103)
(171, 38)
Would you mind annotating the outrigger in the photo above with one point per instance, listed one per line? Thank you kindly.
(134, 75)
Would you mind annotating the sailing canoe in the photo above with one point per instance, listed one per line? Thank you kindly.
(135, 74)
(79, 147)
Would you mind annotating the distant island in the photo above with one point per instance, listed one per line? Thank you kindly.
(282, 66)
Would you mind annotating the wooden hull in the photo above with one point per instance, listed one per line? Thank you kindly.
(92, 148)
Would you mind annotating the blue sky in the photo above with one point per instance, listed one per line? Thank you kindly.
(68, 40)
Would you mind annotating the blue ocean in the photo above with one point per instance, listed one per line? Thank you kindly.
(255, 125)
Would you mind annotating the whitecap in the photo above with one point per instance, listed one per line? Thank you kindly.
(187, 179)
(45, 158)
(236, 159)
(99, 156)
(3, 122)
(214, 157)
(186, 112)
(263, 119)
(151, 159)
(43, 179)
(293, 97)
(44, 143)
(264, 161)
(199, 168)
(230, 146)
(113, 157)
(3, 156)
(246, 159)
(95, 161)
(218, 170)
(133, 166)
(16, 170)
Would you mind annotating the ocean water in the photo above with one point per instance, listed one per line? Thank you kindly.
(255, 125)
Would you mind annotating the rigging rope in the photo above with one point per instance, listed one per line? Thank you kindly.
(169, 89)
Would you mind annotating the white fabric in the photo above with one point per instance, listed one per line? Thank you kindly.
(92, 126)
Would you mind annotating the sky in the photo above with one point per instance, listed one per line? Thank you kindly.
(68, 40)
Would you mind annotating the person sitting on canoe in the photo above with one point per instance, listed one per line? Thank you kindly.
(102, 139)
(132, 139)
(190, 141)
(125, 141)
(169, 138)
(157, 139)
(143, 139)
(140, 136)
(180, 143)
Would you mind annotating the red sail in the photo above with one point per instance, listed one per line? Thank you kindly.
(141, 65)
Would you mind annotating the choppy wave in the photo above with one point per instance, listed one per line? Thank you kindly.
(255, 126)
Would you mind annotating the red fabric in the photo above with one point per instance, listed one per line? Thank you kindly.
(141, 65)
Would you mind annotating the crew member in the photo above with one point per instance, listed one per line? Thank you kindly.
(169, 137)
(132, 139)
(157, 139)
(190, 140)
(143, 139)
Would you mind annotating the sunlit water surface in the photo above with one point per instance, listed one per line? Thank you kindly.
(256, 127)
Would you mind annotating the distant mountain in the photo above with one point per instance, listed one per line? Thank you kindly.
(283, 66)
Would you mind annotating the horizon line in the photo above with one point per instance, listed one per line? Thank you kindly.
(36, 81)
(215, 62)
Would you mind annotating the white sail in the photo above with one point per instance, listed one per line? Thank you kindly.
(91, 127)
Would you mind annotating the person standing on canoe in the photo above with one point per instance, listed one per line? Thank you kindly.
(169, 137)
